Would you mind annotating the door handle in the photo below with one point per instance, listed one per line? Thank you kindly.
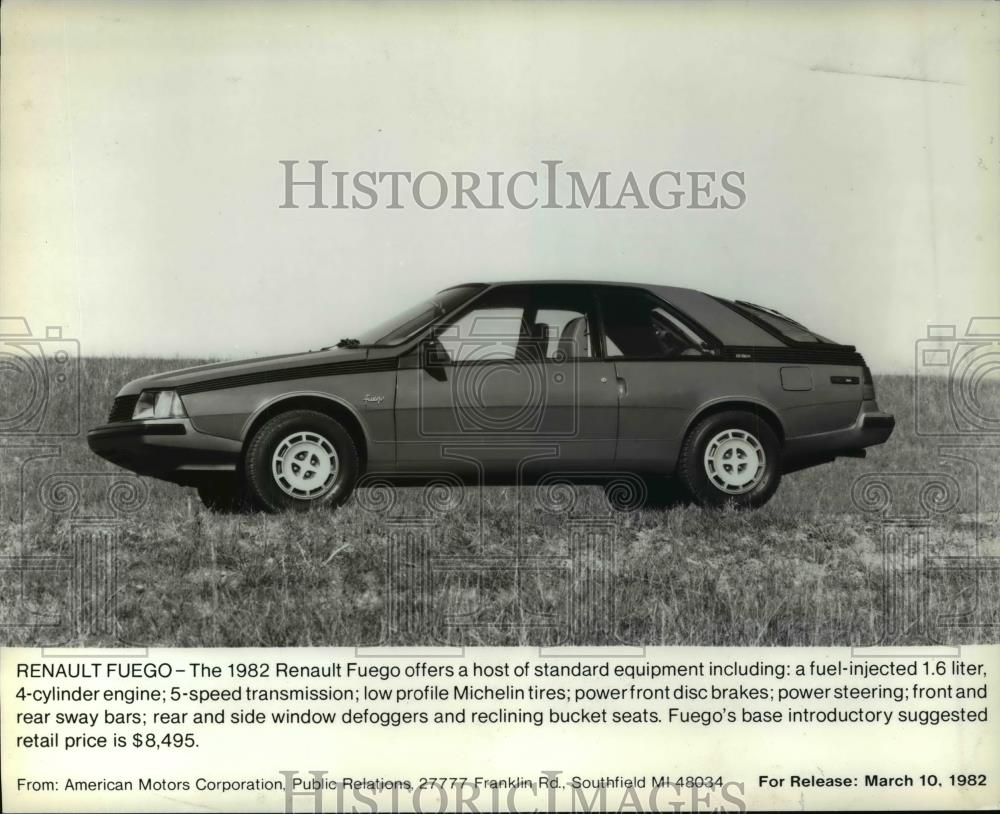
(622, 388)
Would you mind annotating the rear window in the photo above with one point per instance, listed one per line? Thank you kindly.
(786, 326)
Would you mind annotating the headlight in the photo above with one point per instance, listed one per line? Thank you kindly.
(159, 404)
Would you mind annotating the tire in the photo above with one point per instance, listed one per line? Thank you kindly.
(301, 459)
(731, 458)
(225, 496)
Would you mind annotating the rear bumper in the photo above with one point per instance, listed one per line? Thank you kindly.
(170, 449)
(872, 427)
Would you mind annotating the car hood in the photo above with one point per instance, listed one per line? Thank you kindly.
(218, 370)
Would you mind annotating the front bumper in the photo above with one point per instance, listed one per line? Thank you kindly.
(170, 449)
(872, 427)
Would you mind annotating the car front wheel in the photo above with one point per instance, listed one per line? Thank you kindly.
(300, 459)
(731, 458)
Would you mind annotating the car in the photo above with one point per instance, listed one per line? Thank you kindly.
(513, 382)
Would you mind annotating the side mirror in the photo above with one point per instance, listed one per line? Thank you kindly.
(432, 352)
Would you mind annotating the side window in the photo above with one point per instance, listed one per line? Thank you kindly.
(563, 333)
(494, 329)
(786, 326)
(637, 325)
(522, 324)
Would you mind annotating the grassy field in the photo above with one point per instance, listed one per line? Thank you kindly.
(808, 569)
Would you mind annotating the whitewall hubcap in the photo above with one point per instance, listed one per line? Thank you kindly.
(734, 461)
(305, 465)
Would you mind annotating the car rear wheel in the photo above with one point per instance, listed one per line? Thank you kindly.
(300, 459)
(731, 458)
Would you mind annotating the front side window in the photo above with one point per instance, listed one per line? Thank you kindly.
(563, 333)
(522, 323)
(486, 333)
(639, 326)
(560, 319)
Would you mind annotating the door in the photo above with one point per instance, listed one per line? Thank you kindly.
(512, 377)
(658, 359)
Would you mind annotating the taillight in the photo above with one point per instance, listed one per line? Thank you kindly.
(868, 383)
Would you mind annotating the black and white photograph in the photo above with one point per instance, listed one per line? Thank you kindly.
(519, 377)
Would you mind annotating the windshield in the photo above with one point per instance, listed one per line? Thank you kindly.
(414, 319)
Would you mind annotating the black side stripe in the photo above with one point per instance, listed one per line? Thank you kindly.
(290, 374)
(829, 355)
(834, 355)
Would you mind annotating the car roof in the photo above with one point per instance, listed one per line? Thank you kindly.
(623, 283)
(725, 323)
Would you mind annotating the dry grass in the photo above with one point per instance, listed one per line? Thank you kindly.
(805, 570)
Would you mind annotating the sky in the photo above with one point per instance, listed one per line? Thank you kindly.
(141, 189)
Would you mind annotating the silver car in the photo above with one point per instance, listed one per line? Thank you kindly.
(508, 383)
